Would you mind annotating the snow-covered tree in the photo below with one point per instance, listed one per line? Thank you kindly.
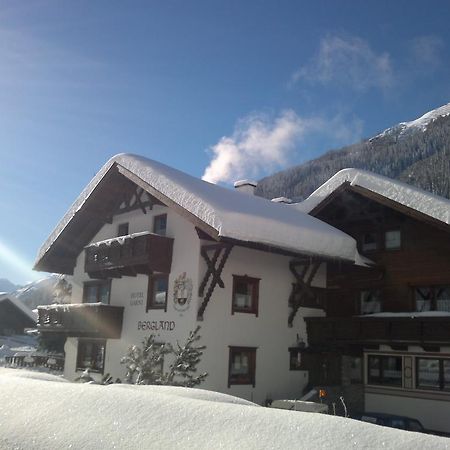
(182, 371)
(145, 364)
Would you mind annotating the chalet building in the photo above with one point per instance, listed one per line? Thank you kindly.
(387, 327)
(14, 316)
(152, 250)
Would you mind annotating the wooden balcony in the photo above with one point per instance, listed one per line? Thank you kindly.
(139, 253)
(93, 320)
(335, 332)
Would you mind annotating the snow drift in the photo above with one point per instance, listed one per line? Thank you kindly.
(41, 411)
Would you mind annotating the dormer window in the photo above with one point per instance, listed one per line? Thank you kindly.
(160, 224)
(392, 240)
(122, 229)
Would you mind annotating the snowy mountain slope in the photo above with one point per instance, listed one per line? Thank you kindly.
(40, 292)
(418, 124)
(6, 286)
(416, 152)
(41, 411)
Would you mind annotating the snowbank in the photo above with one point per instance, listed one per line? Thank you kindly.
(40, 414)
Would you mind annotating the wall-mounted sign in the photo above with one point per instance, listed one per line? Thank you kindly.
(137, 299)
(156, 325)
(182, 292)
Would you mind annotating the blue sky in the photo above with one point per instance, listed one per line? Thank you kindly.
(223, 90)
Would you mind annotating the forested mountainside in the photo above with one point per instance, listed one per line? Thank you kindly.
(416, 152)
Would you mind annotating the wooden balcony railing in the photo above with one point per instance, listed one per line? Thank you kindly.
(129, 255)
(335, 331)
(93, 320)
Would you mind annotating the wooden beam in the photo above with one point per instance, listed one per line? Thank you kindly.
(169, 202)
(216, 280)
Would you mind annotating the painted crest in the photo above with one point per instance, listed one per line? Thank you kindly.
(182, 292)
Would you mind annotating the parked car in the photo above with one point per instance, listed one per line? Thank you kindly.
(390, 420)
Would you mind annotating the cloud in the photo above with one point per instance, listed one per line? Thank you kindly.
(347, 61)
(261, 144)
(426, 51)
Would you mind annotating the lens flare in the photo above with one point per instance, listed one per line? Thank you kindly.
(10, 259)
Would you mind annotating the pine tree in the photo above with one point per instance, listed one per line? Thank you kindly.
(182, 370)
(144, 365)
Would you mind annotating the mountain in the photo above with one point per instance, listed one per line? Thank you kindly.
(41, 292)
(7, 286)
(416, 152)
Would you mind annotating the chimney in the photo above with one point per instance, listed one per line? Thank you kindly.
(246, 186)
(285, 200)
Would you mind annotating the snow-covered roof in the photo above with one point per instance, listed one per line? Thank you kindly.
(232, 215)
(417, 199)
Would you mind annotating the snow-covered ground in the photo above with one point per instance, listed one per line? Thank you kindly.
(41, 411)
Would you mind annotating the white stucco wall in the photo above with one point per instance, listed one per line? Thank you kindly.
(269, 332)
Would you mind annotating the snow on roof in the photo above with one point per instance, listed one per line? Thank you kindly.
(404, 194)
(245, 182)
(41, 411)
(231, 214)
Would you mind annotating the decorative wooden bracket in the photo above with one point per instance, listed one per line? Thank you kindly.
(215, 263)
(139, 202)
(302, 294)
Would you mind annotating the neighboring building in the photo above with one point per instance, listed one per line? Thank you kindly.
(14, 316)
(153, 250)
(387, 328)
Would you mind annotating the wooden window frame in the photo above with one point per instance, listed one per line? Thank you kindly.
(377, 238)
(382, 380)
(433, 300)
(395, 249)
(248, 379)
(150, 291)
(87, 284)
(254, 296)
(119, 233)
(155, 218)
(294, 353)
(441, 387)
(80, 354)
(360, 292)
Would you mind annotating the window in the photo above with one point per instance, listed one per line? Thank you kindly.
(385, 370)
(97, 291)
(432, 298)
(369, 242)
(160, 224)
(295, 358)
(242, 366)
(392, 239)
(158, 286)
(370, 302)
(433, 373)
(91, 355)
(122, 229)
(245, 294)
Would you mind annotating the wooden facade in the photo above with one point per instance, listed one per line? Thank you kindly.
(423, 258)
(88, 320)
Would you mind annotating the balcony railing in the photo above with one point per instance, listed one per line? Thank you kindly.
(93, 320)
(335, 331)
(129, 255)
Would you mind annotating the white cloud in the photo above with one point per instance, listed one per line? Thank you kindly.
(257, 144)
(348, 61)
(261, 144)
(426, 51)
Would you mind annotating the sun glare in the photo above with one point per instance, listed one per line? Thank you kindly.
(15, 262)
